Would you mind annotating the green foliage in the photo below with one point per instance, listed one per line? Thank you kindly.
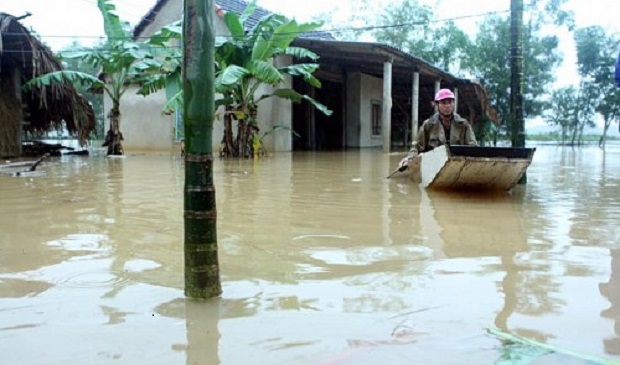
(596, 52)
(563, 111)
(556, 137)
(485, 132)
(162, 37)
(489, 61)
(121, 61)
(65, 77)
(115, 29)
(296, 97)
(521, 350)
(554, 9)
(96, 99)
(415, 38)
(413, 27)
(245, 61)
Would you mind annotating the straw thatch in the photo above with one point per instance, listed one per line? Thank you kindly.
(40, 109)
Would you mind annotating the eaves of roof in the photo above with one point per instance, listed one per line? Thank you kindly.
(373, 54)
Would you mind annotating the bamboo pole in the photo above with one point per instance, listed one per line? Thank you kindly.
(202, 273)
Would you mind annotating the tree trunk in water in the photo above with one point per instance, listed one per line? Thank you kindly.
(229, 148)
(253, 133)
(202, 272)
(114, 137)
(574, 132)
(246, 134)
(241, 138)
(603, 139)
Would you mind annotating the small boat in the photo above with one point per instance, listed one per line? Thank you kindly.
(471, 167)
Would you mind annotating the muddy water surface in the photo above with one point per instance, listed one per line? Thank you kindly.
(323, 261)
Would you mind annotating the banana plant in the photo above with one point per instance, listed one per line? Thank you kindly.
(121, 63)
(244, 63)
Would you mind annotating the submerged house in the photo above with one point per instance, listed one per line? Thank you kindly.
(379, 95)
(40, 109)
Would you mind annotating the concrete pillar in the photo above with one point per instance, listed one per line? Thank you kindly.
(386, 112)
(456, 99)
(437, 87)
(415, 105)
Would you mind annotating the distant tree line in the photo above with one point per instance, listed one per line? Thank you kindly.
(416, 29)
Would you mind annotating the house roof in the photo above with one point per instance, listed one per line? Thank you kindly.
(47, 106)
(369, 58)
(235, 6)
(365, 57)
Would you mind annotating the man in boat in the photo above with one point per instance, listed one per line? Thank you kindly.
(436, 129)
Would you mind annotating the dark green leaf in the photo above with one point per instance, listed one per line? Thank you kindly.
(64, 77)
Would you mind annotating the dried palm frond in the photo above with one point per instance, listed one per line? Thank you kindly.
(47, 107)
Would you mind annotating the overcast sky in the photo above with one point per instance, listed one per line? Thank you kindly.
(59, 22)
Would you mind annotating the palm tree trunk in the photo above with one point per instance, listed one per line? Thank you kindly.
(202, 273)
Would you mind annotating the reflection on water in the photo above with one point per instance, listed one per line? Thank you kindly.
(323, 259)
(611, 291)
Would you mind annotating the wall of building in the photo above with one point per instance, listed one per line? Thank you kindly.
(146, 129)
(143, 125)
(171, 12)
(362, 91)
(275, 115)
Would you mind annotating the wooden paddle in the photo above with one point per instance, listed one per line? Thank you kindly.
(399, 169)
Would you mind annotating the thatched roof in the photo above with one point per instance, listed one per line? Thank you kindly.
(45, 108)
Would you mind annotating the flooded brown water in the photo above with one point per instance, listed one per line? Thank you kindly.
(323, 260)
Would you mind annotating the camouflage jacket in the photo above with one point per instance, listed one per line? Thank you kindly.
(432, 134)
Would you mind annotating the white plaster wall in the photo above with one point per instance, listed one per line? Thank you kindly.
(277, 112)
(171, 12)
(362, 90)
(143, 125)
(372, 89)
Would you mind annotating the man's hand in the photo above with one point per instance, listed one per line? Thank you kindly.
(402, 165)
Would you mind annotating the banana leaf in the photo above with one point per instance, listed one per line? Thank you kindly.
(523, 351)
